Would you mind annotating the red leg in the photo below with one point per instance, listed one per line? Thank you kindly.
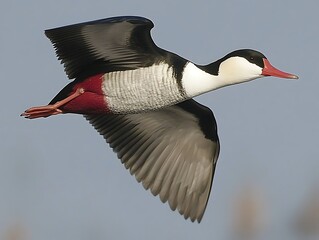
(46, 111)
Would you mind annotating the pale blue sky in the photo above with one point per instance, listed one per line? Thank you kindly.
(60, 180)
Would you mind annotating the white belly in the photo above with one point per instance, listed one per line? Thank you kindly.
(143, 89)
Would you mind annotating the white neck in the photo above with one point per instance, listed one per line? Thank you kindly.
(196, 81)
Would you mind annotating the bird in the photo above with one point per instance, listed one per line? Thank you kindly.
(139, 97)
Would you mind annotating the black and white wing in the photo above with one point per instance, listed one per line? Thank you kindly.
(106, 45)
(172, 151)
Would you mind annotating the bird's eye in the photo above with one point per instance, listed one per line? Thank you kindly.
(252, 58)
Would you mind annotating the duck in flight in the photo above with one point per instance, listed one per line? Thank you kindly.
(139, 98)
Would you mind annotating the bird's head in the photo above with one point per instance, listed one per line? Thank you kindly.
(245, 65)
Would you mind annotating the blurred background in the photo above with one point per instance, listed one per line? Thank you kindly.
(59, 180)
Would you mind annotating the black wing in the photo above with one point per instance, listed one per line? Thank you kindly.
(105, 45)
(170, 151)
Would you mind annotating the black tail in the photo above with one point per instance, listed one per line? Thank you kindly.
(65, 92)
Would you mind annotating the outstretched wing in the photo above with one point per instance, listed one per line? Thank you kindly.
(105, 45)
(172, 151)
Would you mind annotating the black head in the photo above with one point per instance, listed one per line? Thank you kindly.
(250, 55)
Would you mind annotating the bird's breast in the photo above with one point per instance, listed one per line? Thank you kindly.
(142, 89)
